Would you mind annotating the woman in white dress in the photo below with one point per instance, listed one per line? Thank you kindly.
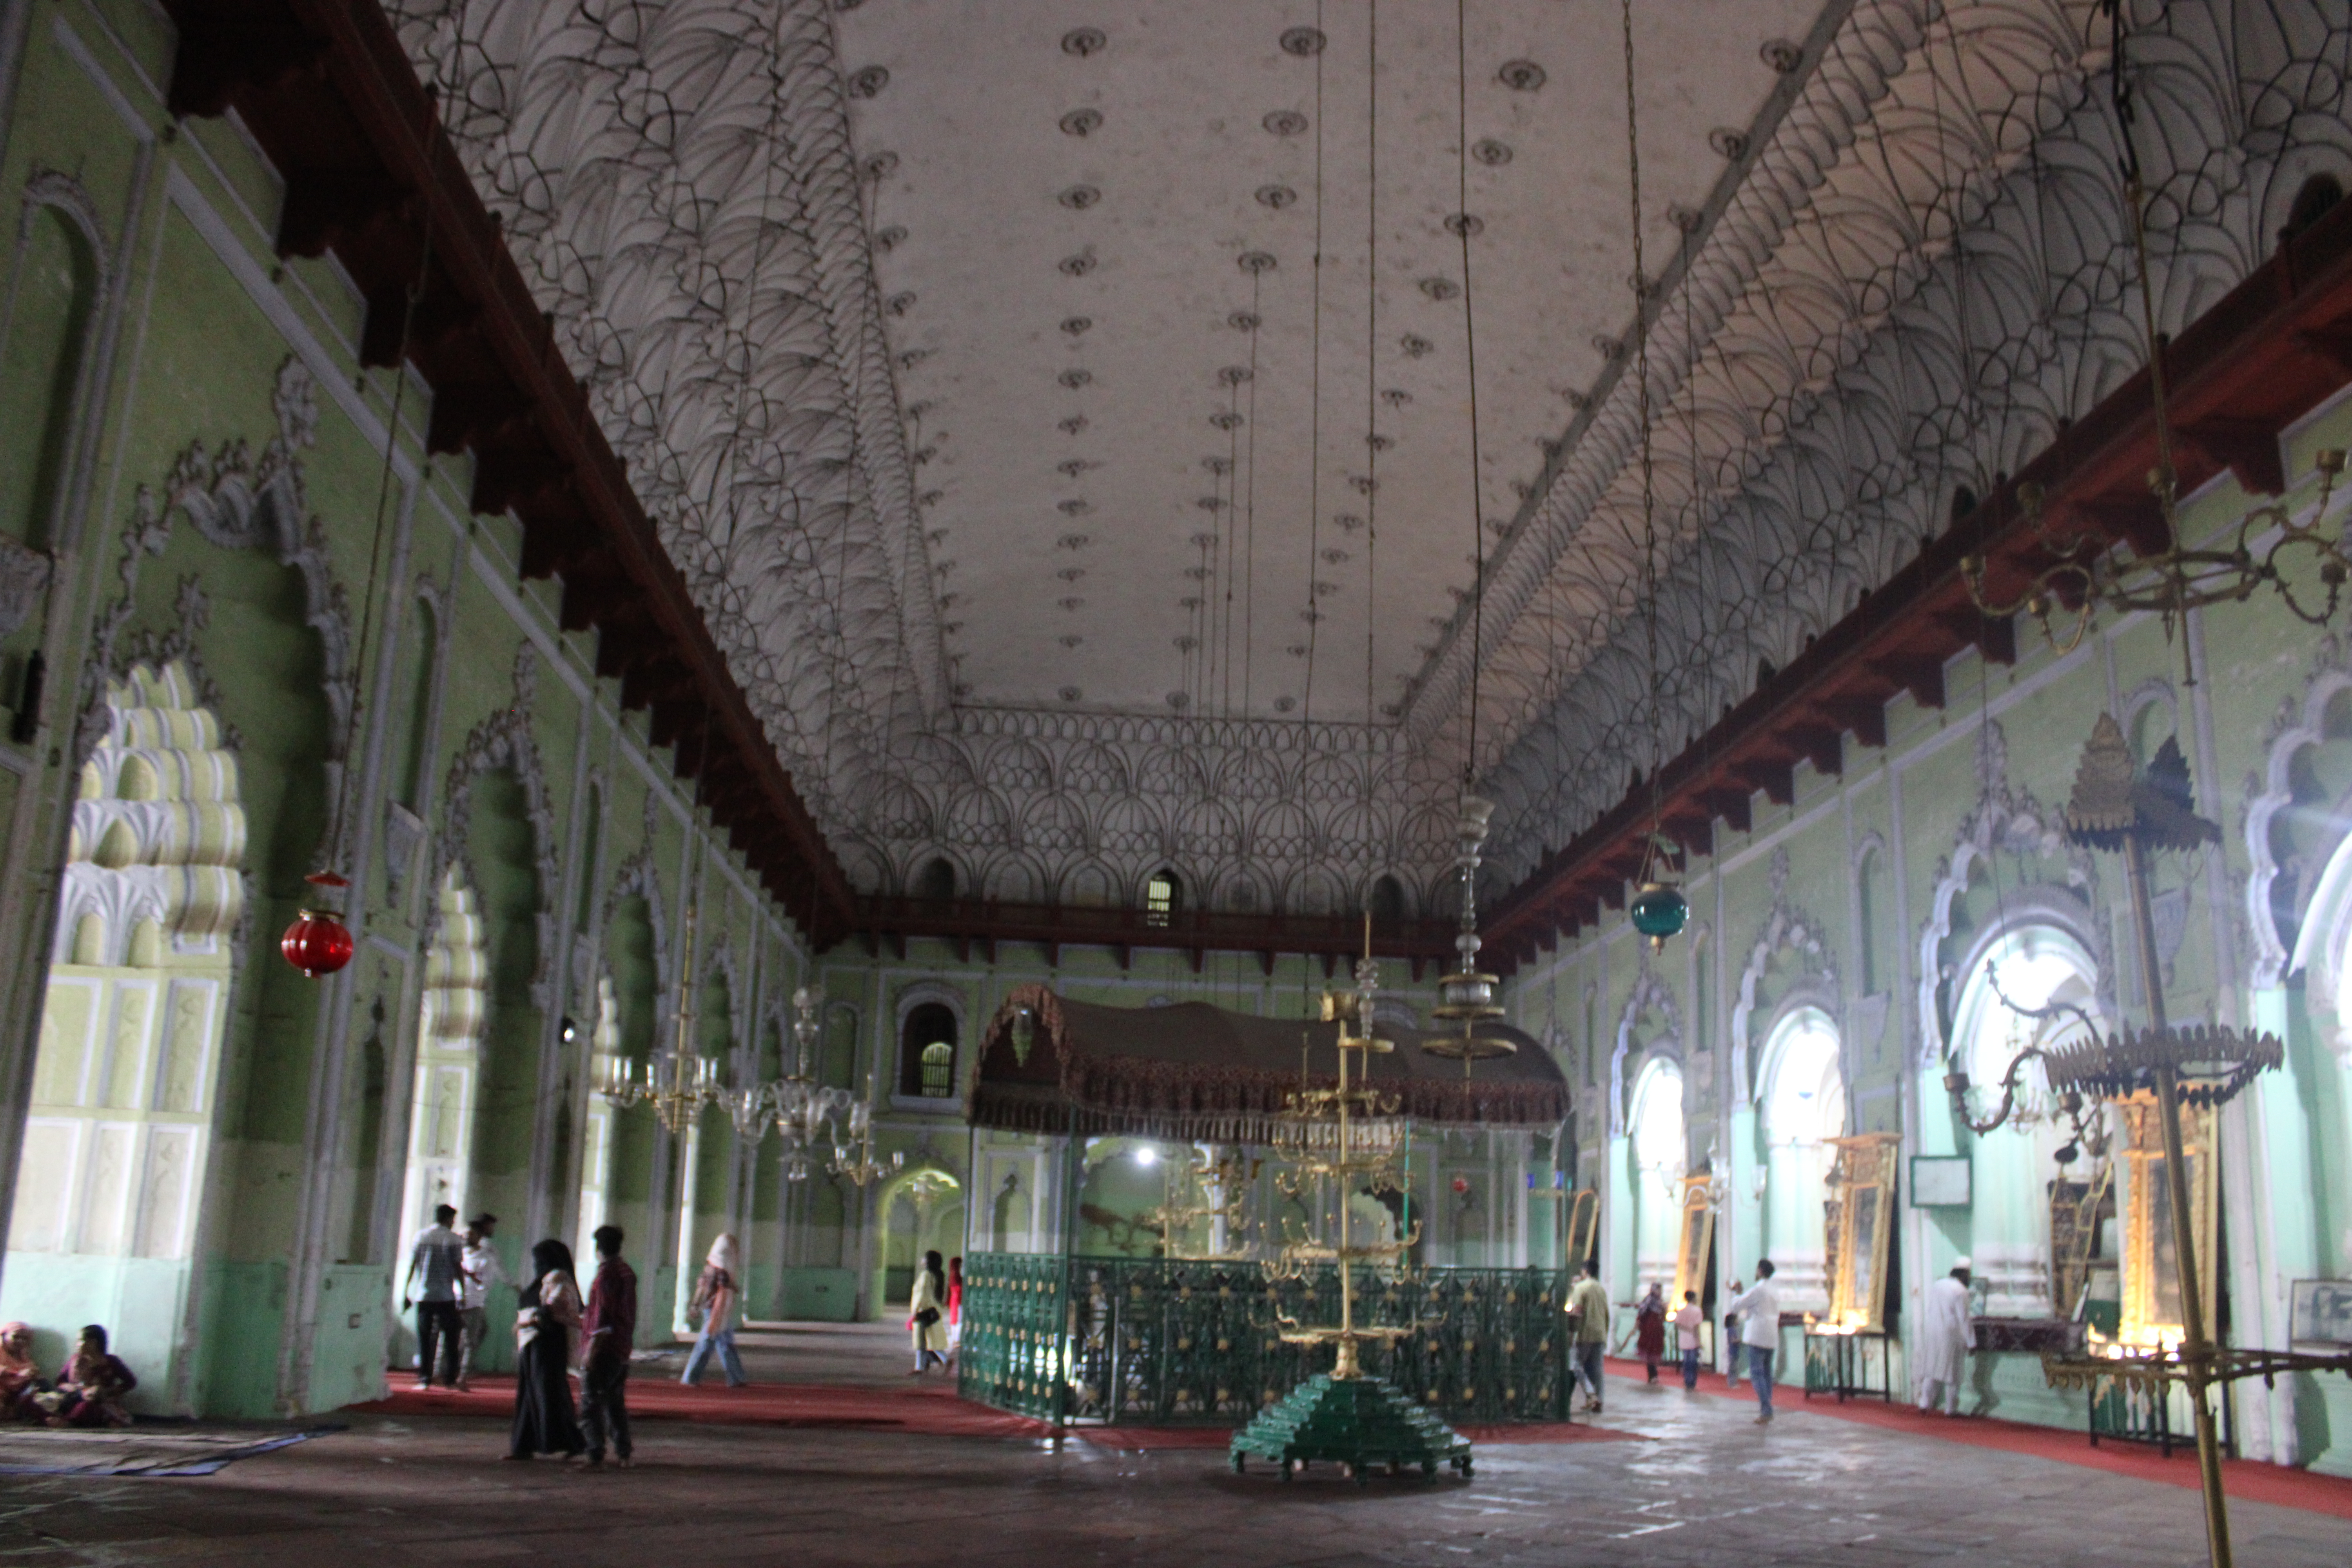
(927, 1314)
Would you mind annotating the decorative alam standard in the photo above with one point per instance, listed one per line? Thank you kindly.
(2156, 1073)
(1201, 1339)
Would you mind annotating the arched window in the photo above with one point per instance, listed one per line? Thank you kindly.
(926, 1052)
(2022, 971)
(1659, 1158)
(1163, 895)
(937, 885)
(1387, 903)
(1803, 1107)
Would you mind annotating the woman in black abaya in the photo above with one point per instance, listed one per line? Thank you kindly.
(546, 1328)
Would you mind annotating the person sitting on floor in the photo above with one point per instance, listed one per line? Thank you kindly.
(93, 1386)
(20, 1375)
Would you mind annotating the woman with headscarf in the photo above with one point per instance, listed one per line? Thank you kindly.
(718, 1296)
(20, 1375)
(546, 1326)
(927, 1315)
(93, 1386)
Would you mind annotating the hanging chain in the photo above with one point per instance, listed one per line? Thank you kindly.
(1642, 401)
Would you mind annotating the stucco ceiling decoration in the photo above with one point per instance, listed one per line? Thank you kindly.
(968, 359)
(1884, 154)
(1159, 486)
(1926, 343)
(677, 184)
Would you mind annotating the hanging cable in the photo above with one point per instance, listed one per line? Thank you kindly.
(1659, 909)
(1249, 508)
(1314, 616)
(1462, 226)
(1371, 364)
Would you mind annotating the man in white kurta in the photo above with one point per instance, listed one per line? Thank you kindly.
(1946, 1337)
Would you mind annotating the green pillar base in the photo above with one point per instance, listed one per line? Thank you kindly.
(1360, 1422)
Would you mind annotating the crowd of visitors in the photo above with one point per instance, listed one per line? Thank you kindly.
(1751, 1320)
(559, 1335)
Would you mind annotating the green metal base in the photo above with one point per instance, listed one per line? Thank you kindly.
(1360, 1422)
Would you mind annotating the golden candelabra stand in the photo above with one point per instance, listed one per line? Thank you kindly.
(1342, 1140)
(1351, 1138)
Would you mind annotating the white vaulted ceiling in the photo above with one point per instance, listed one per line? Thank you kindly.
(1096, 233)
(968, 355)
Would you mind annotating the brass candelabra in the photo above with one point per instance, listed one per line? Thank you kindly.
(1351, 1137)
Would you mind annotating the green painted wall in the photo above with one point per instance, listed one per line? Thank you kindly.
(184, 424)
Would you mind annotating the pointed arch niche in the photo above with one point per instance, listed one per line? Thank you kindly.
(2039, 964)
(1657, 1153)
(1801, 1106)
(596, 1121)
(447, 1082)
(126, 1072)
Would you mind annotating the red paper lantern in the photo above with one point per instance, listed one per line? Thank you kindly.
(317, 943)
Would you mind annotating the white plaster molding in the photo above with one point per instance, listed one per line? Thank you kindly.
(1649, 995)
(2301, 721)
(1787, 928)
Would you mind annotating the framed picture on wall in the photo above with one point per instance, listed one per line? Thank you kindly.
(1942, 1182)
(1697, 1240)
(2321, 1314)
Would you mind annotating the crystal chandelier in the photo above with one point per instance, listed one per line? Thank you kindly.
(678, 1083)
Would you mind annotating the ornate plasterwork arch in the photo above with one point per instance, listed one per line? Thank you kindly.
(1787, 928)
(2002, 821)
(159, 832)
(504, 739)
(238, 501)
(2301, 721)
(718, 959)
(1651, 994)
(638, 877)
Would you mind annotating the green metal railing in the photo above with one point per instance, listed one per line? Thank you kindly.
(1010, 1354)
(1148, 1342)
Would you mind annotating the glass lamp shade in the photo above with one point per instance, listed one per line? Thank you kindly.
(1658, 911)
(317, 943)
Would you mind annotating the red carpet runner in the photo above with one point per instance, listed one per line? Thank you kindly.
(2247, 1478)
(929, 1408)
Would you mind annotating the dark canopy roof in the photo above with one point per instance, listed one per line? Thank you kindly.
(1194, 1070)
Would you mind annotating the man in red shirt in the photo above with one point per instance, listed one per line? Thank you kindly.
(611, 1326)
